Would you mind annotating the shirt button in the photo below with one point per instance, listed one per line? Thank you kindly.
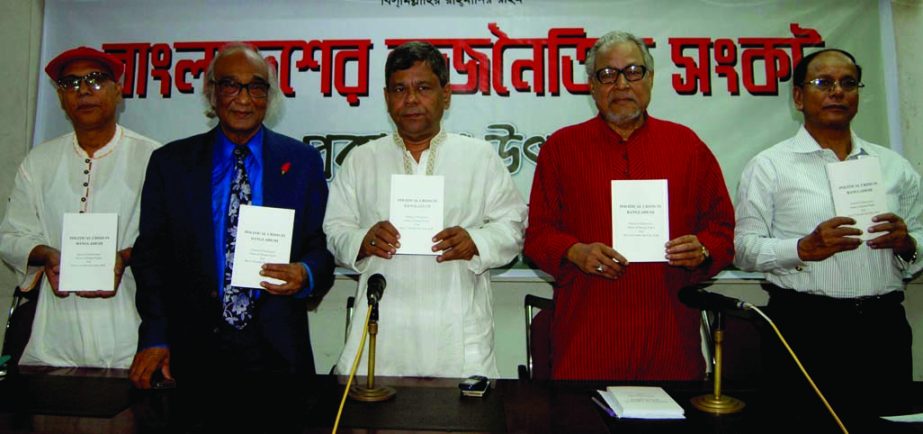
(85, 184)
(83, 199)
(86, 172)
(87, 161)
(799, 268)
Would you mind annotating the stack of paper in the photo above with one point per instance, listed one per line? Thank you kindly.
(638, 402)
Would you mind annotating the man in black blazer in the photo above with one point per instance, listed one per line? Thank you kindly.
(231, 350)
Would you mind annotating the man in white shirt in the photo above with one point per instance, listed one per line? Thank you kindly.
(836, 298)
(97, 168)
(436, 315)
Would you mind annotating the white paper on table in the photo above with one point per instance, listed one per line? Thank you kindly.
(88, 249)
(264, 236)
(417, 203)
(640, 219)
(858, 192)
(642, 402)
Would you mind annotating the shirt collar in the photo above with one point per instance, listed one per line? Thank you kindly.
(226, 146)
(105, 150)
(607, 130)
(437, 140)
(804, 143)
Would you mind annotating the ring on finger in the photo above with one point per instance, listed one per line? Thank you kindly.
(599, 268)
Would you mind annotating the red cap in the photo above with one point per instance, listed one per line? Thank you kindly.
(58, 64)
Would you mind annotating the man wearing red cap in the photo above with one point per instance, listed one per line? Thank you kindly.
(97, 168)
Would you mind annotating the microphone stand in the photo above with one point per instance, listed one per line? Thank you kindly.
(716, 403)
(369, 392)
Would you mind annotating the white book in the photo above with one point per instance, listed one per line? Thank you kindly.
(905, 418)
(640, 219)
(858, 192)
(88, 249)
(641, 402)
(264, 236)
(417, 203)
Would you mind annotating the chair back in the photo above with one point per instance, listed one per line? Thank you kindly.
(740, 349)
(19, 323)
(350, 308)
(539, 312)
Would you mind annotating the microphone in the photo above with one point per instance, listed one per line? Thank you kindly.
(696, 297)
(375, 287)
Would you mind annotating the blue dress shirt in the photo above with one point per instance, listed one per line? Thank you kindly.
(222, 171)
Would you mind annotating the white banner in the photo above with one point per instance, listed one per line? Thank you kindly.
(722, 68)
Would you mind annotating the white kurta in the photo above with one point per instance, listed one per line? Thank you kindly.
(54, 179)
(435, 319)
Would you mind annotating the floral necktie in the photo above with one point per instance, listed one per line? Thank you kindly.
(238, 302)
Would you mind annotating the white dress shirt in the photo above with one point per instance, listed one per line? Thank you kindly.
(784, 194)
(436, 318)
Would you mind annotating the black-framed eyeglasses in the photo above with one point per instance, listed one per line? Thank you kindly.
(256, 89)
(827, 84)
(94, 80)
(609, 75)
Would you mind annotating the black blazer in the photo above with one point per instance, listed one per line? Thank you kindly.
(174, 255)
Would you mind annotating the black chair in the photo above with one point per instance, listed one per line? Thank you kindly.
(538, 338)
(19, 323)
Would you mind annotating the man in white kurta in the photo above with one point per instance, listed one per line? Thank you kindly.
(436, 317)
(61, 176)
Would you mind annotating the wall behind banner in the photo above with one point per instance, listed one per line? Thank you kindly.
(180, 115)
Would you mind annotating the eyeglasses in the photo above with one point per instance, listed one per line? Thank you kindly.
(228, 87)
(95, 80)
(609, 75)
(827, 84)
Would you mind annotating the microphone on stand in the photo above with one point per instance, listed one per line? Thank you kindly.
(696, 297)
(375, 288)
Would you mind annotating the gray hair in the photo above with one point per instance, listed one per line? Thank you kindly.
(605, 42)
(208, 87)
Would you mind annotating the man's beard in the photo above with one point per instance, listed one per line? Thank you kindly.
(622, 119)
